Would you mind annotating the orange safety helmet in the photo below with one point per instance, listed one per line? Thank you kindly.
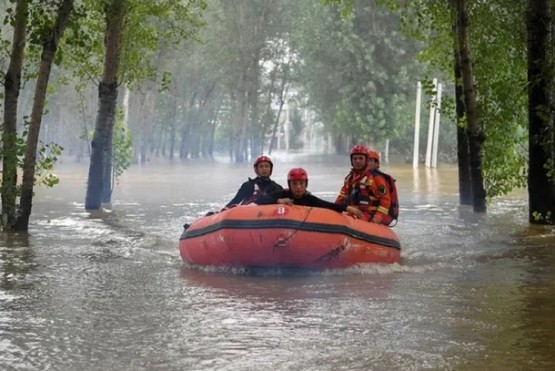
(374, 155)
(260, 159)
(297, 174)
(359, 149)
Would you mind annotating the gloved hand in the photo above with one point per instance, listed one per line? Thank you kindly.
(377, 219)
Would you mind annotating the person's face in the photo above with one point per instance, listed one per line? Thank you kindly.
(264, 169)
(298, 188)
(372, 164)
(359, 162)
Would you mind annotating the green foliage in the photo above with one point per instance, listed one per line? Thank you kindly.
(346, 6)
(296, 121)
(355, 70)
(166, 81)
(497, 39)
(542, 219)
(47, 155)
(123, 147)
(500, 72)
(122, 153)
(148, 26)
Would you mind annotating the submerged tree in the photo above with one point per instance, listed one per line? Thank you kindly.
(134, 30)
(44, 23)
(107, 94)
(475, 131)
(50, 43)
(12, 86)
(541, 137)
(498, 80)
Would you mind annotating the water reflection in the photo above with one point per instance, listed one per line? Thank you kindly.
(432, 180)
(282, 285)
(16, 259)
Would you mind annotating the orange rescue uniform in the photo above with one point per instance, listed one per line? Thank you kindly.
(369, 192)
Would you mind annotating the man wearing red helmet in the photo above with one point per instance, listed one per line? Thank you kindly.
(365, 189)
(254, 188)
(297, 194)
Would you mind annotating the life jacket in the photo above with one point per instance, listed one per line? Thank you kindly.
(394, 206)
(360, 194)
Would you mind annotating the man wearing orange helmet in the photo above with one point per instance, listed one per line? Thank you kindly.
(297, 194)
(365, 189)
(373, 160)
(254, 188)
(374, 166)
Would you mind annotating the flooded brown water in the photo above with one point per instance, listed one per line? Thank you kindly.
(108, 290)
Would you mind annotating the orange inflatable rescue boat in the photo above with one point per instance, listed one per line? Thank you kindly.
(286, 236)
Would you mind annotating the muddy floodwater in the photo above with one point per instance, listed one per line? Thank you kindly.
(109, 291)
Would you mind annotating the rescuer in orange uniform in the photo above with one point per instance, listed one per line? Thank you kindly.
(365, 188)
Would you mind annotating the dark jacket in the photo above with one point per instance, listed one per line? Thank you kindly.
(247, 189)
(306, 200)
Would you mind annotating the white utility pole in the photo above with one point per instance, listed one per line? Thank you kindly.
(436, 126)
(431, 127)
(416, 149)
(287, 126)
(125, 106)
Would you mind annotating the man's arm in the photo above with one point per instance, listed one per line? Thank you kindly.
(268, 199)
(342, 197)
(246, 190)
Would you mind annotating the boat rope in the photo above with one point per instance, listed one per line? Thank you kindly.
(284, 241)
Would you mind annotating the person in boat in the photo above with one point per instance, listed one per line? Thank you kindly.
(365, 189)
(391, 188)
(254, 188)
(297, 194)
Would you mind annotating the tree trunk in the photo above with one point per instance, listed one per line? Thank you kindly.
(12, 86)
(107, 184)
(107, 94)
(47, 58)
(541, 188)
(474, 129)
(283, 92)
(465, 184)
(172, 117)
(240, 121)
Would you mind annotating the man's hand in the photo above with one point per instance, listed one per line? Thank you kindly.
(377, 219)
(354, 211)
(285, 201)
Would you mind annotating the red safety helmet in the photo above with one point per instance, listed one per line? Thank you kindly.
(260, 159)
(297, 174)
(359, 149)
(374, 155)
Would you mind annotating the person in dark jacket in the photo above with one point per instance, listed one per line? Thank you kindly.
(297, 194)
(257, 187)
